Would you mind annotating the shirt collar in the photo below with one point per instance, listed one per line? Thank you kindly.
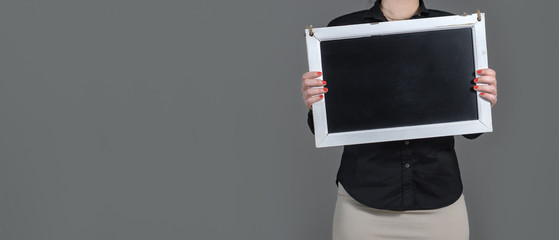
(376, 14)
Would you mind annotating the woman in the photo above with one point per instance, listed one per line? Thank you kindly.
(407, 189)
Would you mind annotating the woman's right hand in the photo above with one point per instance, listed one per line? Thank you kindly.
(310, 93)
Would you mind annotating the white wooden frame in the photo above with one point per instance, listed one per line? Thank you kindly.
(325, 139)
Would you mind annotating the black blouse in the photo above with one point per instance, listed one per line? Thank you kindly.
(399, 175)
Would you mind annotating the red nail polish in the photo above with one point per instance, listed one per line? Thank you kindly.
(475, 80)
(319, 74)
(475, 87)
(325, 89)
(323, 82)
(321, 96)
(478, 71)
(481, 94)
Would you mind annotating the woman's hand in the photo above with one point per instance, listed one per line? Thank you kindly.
(310, 94)
(489, 91)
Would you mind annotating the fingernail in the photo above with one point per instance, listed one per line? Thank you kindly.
(321, 96)
(325, 89)
(481, 94)
(475, 87)
(323, 82)
(478, 71)
(319, 74)
(475, 80)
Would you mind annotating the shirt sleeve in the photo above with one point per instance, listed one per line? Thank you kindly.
(310, 121)
(472, 136)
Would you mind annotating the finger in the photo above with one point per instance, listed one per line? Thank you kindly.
(489, 97)
(487, 72)
(491, 80)
(486, 89)
(310, 75)
(308, 83)
(314, 91)
(309, 101)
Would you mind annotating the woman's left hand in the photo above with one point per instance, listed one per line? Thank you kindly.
(489, 91)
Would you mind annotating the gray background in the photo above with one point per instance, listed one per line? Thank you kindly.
(184, 120)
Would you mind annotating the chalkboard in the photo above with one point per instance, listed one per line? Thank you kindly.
(399, 80)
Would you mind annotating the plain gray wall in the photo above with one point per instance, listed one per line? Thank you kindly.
(184, 120)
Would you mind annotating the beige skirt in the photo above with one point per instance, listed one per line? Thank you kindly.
(355, 221)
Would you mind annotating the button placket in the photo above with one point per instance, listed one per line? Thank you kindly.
(407, 175)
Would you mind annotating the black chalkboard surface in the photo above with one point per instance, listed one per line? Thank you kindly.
(399, 80)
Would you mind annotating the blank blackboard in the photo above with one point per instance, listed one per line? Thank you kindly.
(399, 80)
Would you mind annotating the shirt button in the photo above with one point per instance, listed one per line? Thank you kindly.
(407, 142)
(407, 165)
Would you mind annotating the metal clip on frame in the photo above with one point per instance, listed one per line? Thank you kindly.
(477, 12)
(311, 33)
